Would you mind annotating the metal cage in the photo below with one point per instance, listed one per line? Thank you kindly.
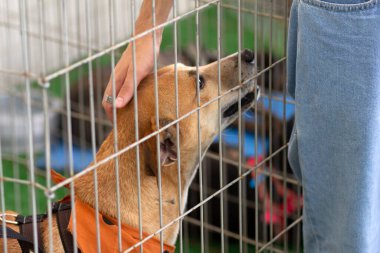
(57, 57)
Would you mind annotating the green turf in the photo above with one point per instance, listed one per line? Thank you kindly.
(18, 196)
(229, 36)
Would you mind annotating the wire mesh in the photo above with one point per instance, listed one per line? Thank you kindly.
(243, 198)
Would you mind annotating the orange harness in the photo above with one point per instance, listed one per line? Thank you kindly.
(86, 231)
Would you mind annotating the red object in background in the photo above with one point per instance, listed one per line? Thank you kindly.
(274, 213)
(252, 162)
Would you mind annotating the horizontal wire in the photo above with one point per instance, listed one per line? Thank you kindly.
(205, 200)
(77, 115)
(258, 13)
(214, 156)
(24, 182)
(281, 233)
(277, 98)
(242, 9)
(121, 44)
(12, 72)
(228, 233)
(72, 43)
(265, 70)
(233, 199)
(23, 161)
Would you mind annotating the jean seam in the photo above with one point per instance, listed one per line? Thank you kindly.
(342, 7)
(307, 216)
(313, 232)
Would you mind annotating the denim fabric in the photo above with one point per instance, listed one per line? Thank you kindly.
(334, 77)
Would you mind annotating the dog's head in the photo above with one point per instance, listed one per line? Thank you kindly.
(194, 91)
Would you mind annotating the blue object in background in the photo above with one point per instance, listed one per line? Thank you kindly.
(252, 181)
(277, 107)
(60, 158)
(231, 138)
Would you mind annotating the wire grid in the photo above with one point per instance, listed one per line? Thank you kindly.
(224, 215)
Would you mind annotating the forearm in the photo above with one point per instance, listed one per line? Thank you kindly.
(145, 19)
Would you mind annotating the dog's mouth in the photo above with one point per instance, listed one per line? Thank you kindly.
(245, 102)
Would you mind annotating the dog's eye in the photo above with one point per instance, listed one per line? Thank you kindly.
(201, 82)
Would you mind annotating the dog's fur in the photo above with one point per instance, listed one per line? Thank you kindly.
(188, 139)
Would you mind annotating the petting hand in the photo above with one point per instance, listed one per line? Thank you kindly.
(124, 72)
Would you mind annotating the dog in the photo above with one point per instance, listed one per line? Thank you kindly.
(188, 88)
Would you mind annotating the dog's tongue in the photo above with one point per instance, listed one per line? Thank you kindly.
(167, 154)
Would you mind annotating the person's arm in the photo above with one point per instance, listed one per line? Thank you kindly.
(144, 54)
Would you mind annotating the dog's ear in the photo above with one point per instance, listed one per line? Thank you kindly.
(168, 142)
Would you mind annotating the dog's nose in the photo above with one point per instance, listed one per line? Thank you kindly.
(247, 56)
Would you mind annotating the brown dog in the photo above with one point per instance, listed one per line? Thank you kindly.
(188, 139)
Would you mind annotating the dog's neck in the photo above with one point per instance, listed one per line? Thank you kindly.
(128, 186)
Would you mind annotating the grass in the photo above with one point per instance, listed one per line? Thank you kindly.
(18, 196)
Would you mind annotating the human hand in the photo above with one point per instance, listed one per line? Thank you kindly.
(124, 82)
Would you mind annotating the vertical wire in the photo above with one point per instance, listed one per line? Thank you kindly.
(25, 54)
(157, 121)
(42, 21)
(199, 126)
(187, 32)
(92, 121)
(244, 190)
(270, 123)
(284, 130)
(136, 118)
(115, 136)
(80, 103)
(15, 165)
(220, 130)
(256, 156)
(65, 53)
(225, 204)
(177, 126)
(206, 213)
(63, 88)
(99, 72)
(48, 165)
(187, 237)
(2, 199)
(298, 231)
(240, 130)
(263, 125)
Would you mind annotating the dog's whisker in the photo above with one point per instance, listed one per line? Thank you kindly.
(168, 201)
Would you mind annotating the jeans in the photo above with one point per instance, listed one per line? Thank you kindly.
(334, 77)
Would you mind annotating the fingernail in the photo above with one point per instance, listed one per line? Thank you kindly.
(119, 102)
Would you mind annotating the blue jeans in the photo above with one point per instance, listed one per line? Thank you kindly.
(334, 77)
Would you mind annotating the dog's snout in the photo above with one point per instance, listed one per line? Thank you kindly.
(247, 56)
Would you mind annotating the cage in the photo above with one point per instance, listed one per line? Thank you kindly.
(59, 55)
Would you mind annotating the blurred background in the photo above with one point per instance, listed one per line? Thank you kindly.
(272, 198)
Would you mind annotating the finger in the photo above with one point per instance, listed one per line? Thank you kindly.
(119, 76)
(108, 109)
(126, 92)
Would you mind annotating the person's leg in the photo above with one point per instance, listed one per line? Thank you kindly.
(334, 75)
